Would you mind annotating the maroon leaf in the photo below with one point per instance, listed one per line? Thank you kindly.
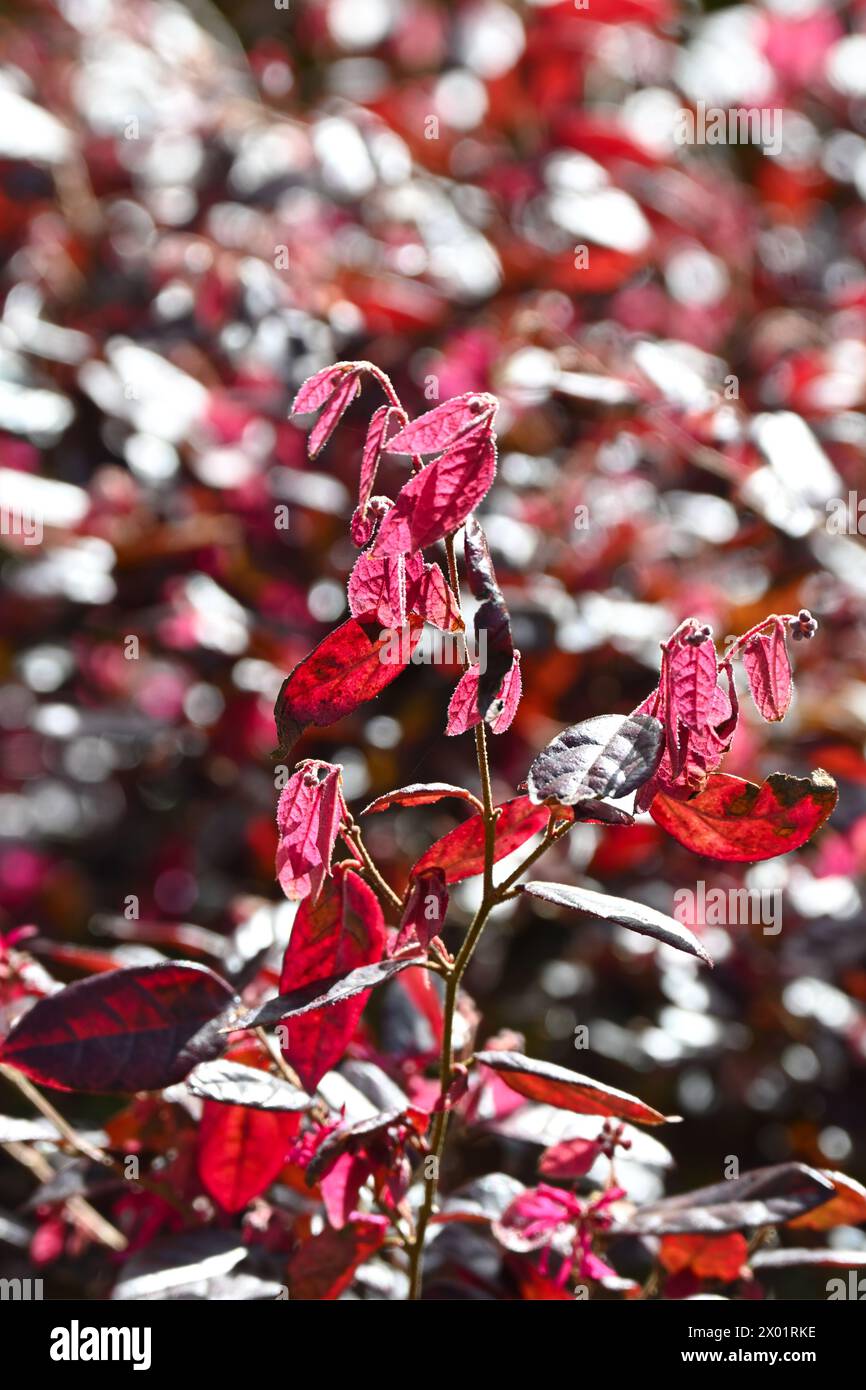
(567, 1090)
(351, 665)
(623, 913)
(445, 423)
(232, 1083)
(308, 818)
(606, 756)
(741, 822)
(241, 1151)
(418, 794)
(320, 994)
(341, 932)
(765, 1197)
(424, 913)
(137, 1029)
(768, 668)
(323, 1267)
(461, 852)
(439, 497)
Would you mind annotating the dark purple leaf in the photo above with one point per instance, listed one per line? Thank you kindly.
(607, 756)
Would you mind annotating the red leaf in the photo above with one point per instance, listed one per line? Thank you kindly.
(341, 1186)
(137, 1029)
(741, 822)
(322, 1268)
(567, 1090)
(308, 817)
(444, 424)
(461, 852)
(352, 664)
(439, 498)
(241, 1151)
(418, 794)
(341, 932)
(426, 905)
(768, 668)
(708, 1257)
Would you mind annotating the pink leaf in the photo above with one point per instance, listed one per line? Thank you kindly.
(463, 706)
(341, 932)
(382, 420)
(320, 387)
(308, 816)
(330, 417)
(504, 707)
(768, 669)
(440, 427)
(693, 679)
(569, 1159)
(387, 587)
(366, 519)
(377, 586)
(429, 595)
(440, 497)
